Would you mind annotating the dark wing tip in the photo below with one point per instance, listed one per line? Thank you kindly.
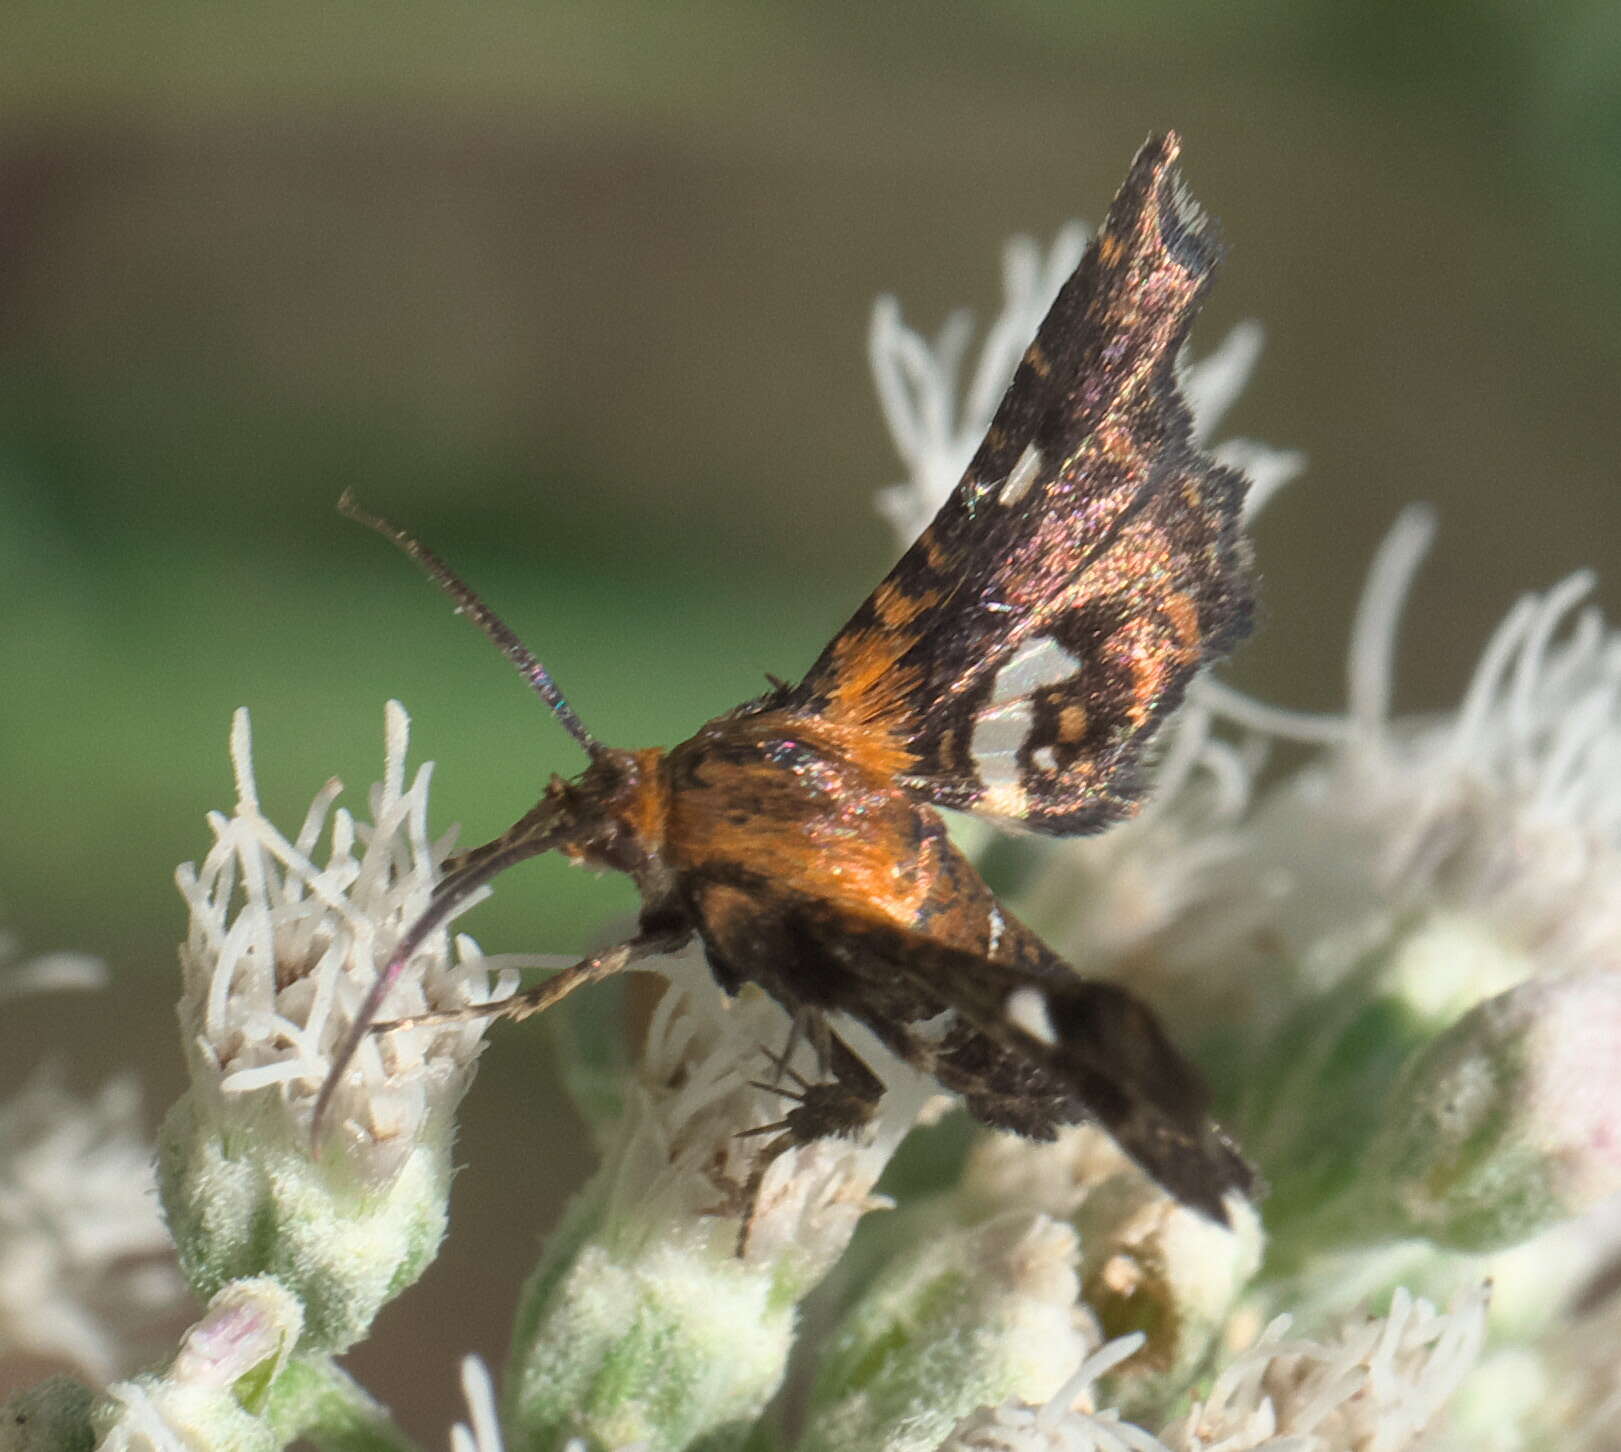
(1205, 1172)
(1149, 1098)
(1156, 154)
(1154, 207)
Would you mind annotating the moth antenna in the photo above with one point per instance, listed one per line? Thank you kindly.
(469, 604)
(448, 896)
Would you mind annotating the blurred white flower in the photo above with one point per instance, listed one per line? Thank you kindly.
(85, 1262)
(1146, 1262)
(1312, 939)
(1211, 386)
(1063, 1423)
(1498, 826)
(1379, 1382)
(918, 381)
(1550, 1376)
(46, 972)
(482, 1430)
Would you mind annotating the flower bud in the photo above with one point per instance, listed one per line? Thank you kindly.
(1323, 1085)
(1510, 1121)
(1147, 1264)
(968, 1318)
(217, 1386)
(1151, 1265)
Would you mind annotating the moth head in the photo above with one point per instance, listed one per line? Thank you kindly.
(611, 816)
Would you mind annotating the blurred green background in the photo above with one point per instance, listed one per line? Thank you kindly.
(578, 292)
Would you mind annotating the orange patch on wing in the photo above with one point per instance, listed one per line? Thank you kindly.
(896, 608)
(940, 557)
(869, 689)
(1115, 444)
(1183, 614)
(867, 876)
(872, 748)
(1141, 649)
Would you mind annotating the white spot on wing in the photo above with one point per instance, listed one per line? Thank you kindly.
(1003, 725)
(1026, 1009)
(998, 734)
(1040, 661)
(1023, 475)
(996, 924)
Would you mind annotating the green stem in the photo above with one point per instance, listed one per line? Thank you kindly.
(316, 1399)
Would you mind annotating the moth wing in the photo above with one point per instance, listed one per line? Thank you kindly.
(1032, 1048)
(1025, 649)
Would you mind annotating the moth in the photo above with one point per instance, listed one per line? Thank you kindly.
(1015, 664)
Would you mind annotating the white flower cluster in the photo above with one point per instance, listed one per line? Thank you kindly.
(280, 955)
(1377, 1384)
(282, 950)
(1500, 818)
(1399, 963)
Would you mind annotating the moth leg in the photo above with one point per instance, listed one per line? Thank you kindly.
(838, 1107)
(835, 1108)
(543, 995)
(800, 1027)
(842, 1105)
